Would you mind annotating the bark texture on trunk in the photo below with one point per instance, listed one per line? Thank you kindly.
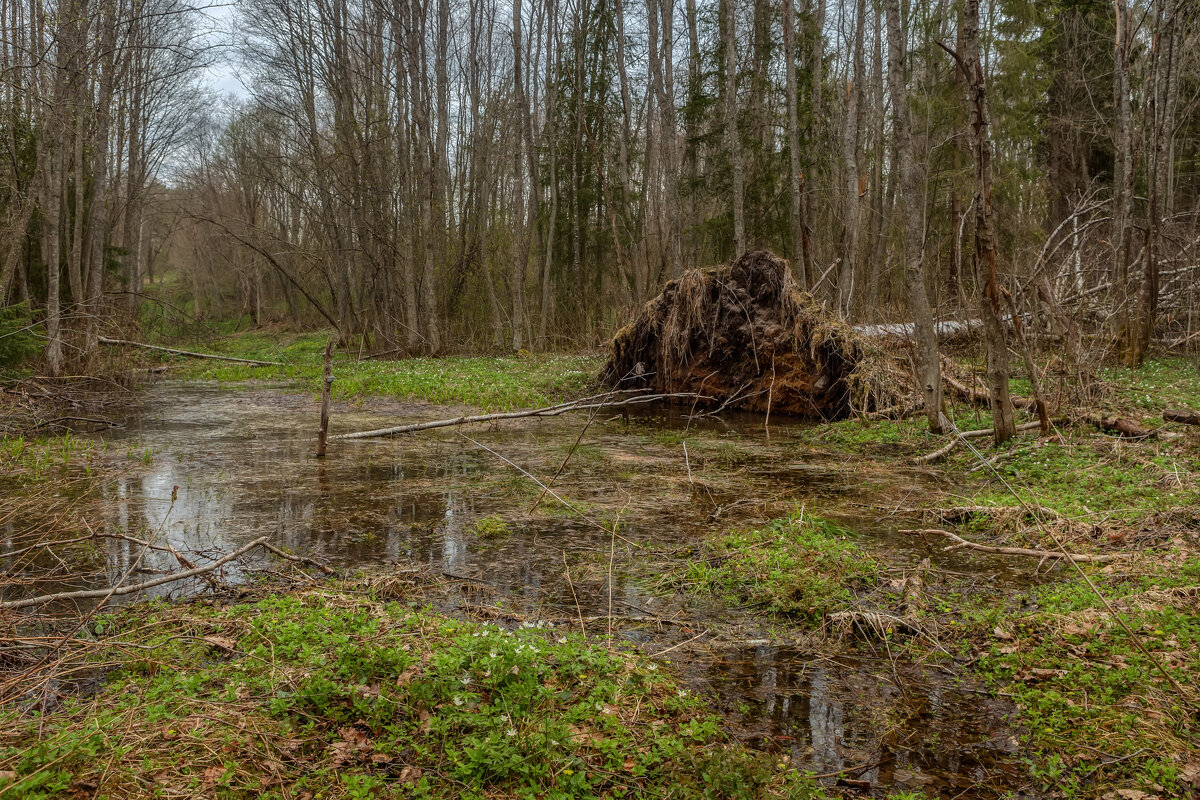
(986, 280)
(928, 368)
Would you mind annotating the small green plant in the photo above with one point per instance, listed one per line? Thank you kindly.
(492, 526)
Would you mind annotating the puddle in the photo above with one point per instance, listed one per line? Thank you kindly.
(243, 466)
(854, 719)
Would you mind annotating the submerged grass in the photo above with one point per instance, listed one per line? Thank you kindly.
(333, 694)
(493, 383)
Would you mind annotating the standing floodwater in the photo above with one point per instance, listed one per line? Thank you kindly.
(439, 503)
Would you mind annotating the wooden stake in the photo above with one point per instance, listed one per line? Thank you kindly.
(326, 389)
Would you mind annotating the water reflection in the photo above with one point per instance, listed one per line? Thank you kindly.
(887, 724)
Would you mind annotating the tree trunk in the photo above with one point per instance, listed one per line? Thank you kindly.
(733, 139)
(986, 281)
(853, 183)
(800, 255)
(520, 236)
(928, 366)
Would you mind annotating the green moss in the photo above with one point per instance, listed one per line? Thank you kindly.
(798, 566)
(340, 696)
(492, 526)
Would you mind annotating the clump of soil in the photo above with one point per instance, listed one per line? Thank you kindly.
(746, 336)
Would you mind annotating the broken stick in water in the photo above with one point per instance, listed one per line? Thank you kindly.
(326, 390)
(189, 353)
(583, 404)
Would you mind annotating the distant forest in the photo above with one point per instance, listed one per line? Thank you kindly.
(437, 175)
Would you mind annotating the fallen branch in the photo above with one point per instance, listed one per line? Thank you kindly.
(325, 568)
(583, 404)
(1005, 551)
(1184, 415)
(1115, 424)
(189, 353)
(929, 458)
(117, 591)
(1105, 422)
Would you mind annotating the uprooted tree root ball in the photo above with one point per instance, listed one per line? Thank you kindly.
(746, 336)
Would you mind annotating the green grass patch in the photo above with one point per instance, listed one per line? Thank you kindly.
(493, 383)
(1098, 712)
(34, 460)
(333, 695)
(797, 566)
(1082, 477)
(1158, 384)
(492, 526)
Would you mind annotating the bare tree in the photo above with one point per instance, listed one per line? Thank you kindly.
(911, 181)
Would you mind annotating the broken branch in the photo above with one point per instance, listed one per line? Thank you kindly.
(1006, 551)
(583, 404)
(189, 353)
(117, 591)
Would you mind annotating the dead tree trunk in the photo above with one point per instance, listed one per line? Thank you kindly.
(986, 281)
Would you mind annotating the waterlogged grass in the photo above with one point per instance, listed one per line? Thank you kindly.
(1098, 712)
(492, 526)
(799, 566)
(493, 383)
(331, 695)
(36, 460)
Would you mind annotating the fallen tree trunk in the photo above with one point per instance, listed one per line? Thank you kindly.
(1184, 415)
(189, 353)
(1006, 551)
(929, 458)
(583, 404)
(1115, 424)
(1105, 422)
(945, 331)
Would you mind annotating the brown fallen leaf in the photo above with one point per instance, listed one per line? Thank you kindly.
(221, 643)
(1040, 672)
(212, 775)
(410, 774)
(1132, 794)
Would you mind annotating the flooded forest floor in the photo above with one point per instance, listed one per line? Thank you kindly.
(697, 605)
